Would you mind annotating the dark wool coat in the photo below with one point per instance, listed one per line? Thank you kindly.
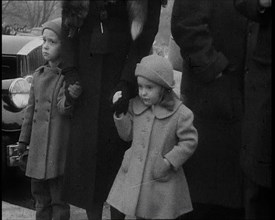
(211, 36)
(256, 153)
(145, 186)
(103, 56)
(46, 126)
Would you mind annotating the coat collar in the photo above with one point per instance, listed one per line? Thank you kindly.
(159, 111)
(46, 66)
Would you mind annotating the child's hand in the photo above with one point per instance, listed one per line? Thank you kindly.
(22, 147)
(167, 162)
(117, 96)
(75, 90)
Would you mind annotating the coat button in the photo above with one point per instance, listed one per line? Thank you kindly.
(246, 70)
(34, 120)
(35, 110)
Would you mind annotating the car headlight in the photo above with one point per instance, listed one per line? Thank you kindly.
(19, 92)
(29, 78)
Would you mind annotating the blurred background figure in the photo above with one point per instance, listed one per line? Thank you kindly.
(211, 35)
(256, 148)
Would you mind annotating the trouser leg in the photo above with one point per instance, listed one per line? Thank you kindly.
(41, 194)
(61, 210)
(95, 211)
(257, 201)
(115, 214)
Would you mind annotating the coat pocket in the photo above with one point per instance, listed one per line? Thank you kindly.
(126, 160)
(161, 171)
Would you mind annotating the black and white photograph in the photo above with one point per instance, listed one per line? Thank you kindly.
(136, 109)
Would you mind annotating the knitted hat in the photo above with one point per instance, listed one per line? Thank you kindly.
(156, 69)
(54, 25)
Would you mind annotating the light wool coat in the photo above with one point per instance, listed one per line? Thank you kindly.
(145, 185)
(46, 125)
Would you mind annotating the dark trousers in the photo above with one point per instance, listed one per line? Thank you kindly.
(95, 211)
(213, 212)
(48, 203)
(257, 201)
(115, 214)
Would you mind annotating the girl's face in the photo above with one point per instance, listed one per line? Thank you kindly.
(148, 91)
(51, 46)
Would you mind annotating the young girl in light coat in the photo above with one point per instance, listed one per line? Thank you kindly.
(151, 183)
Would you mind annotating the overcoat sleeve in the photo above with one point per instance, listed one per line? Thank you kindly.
(64, 107)
(26, 128)
(124, 125)
(191, 31)
(188, 139)
(252, 10)
(142, 45)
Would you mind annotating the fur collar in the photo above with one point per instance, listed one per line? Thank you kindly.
(74, 13)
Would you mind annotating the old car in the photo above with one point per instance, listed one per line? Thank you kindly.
(21, 55)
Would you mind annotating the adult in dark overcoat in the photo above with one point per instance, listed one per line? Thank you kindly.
(103, 40)
(256, 148)
(211, 36)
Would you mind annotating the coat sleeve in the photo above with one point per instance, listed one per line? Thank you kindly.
(64, 107)
(69, 44)
(142, 45)
(124, 125)
(188, 140)
(252, 10)
(191, 31)
(26, 128)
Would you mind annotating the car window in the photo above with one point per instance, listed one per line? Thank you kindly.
(9, 67)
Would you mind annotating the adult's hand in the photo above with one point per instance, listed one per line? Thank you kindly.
(265, 3)
(117, 96)
(121, 98)
(219, 75)
(75, 90)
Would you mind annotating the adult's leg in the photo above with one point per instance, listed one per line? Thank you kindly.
(209, 211)
(41, 194)
(115, 214)
(95, 211)
(60, 209)
(257, 201)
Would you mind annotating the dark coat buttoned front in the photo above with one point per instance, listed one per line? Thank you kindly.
(46, 126)
(105, 54)
(211, 35)
(256, 150)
